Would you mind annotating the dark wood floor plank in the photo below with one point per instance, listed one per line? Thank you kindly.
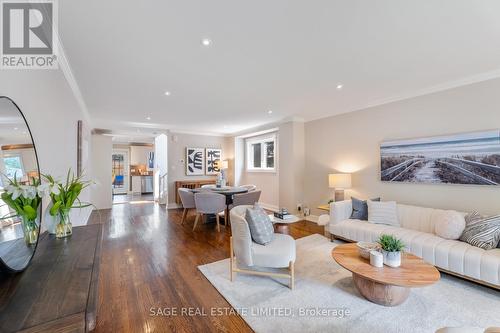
(149, 260)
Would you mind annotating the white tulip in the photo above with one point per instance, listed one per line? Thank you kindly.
(43, 189)
(55, 189)
(28, 191)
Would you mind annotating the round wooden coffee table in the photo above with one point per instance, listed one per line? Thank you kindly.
(385, 285)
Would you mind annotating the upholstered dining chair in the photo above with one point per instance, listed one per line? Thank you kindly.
(187, 200)
(249, 187)
(279, 253)
(248, 198)
(209, 203)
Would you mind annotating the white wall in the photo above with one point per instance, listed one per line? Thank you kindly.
(350, 143)
(140, 154)
(267, 182)
(102, 148)
(177, 156)
(292, 164)
(52, 113)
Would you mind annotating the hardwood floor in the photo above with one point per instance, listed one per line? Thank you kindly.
(149, 261)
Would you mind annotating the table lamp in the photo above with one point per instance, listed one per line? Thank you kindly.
(339, 182)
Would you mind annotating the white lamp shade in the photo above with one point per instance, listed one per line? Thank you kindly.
(339, 180)
(225, 165)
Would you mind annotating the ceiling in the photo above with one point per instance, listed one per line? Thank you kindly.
(13, 128)
(284, 56)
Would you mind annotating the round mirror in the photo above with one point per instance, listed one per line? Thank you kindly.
(18, 164)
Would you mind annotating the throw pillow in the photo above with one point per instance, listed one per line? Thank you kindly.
(449, 225)
(360, 209)
(483, 232)
(261, 227)
(383, 212)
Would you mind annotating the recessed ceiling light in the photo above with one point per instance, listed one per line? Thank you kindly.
(15, 128)
(206, 42)
(148, 118)
(340, 86)
(167, 93)
(270, 112)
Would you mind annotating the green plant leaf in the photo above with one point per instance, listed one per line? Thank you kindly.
(55, 208)
(30, 212)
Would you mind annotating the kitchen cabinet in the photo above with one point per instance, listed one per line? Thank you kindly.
(136, 184)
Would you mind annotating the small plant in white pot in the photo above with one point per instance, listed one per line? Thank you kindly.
(391, 250)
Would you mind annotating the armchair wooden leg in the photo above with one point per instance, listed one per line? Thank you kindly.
(184, 214)
(231, 259)
(292, 274)
(196, 220)
(217, 220)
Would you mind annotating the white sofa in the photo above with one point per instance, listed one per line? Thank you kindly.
(417, 232)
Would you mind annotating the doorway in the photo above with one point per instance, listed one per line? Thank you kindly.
(120, 171)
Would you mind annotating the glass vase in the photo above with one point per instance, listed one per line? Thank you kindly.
(30, 230)
(64, 228)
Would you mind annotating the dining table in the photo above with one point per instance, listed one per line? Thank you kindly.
(227, 191)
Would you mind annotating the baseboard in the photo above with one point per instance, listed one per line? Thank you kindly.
(272, 208)
(173, 205)
(312, 218)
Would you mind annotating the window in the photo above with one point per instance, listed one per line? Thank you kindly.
(13, 166)
(261, 154)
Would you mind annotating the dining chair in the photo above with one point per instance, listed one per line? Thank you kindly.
(249, 187)
(249, 198)
(208, 186)
(209, 203)
(187, 200)
(279, 253)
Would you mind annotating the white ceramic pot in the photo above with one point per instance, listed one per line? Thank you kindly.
(392, 259)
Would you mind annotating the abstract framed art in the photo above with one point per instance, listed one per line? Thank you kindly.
(212, 158)
(195, 161)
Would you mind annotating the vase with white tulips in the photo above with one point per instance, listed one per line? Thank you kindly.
(63, 197)
(25, 200)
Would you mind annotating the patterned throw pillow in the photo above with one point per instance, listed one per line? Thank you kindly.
(261, 227)
(483, 232)
(360, 209)
(384, 212)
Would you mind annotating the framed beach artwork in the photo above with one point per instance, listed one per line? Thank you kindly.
(213, 157)
(469, 158)
(195, 161)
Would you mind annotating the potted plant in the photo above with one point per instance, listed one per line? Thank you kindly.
(391, 250)
(25, 201)
(63, 197)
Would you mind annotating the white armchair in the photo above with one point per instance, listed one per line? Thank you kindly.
(280, 253)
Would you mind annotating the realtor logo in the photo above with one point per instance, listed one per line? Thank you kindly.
(28, 34)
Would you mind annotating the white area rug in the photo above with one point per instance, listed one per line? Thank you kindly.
(269, 306)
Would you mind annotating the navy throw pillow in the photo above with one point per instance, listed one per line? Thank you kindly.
(360, 209)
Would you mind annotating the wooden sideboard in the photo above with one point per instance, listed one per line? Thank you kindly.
(190, 184)
(58, 290)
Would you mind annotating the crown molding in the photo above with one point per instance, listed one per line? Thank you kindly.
(70, 78)
(465, 81)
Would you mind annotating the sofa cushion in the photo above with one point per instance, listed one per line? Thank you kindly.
(360, 209)
(450, 224)
(385, 212)
(261, 227)
(482, 232)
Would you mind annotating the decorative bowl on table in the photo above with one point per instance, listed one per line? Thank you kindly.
(364, 248)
